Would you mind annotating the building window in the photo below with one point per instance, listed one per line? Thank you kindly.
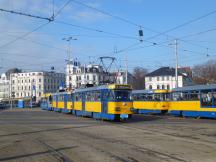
(158, 86)
(94, 77)
(167, 78)
(150, 79)
(162, 78)
(163, 86)
(150, 86)
(87, 77)
(168, 86)
(39, 80)
(158, 78)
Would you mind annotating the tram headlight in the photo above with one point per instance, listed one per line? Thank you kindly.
(124, 104)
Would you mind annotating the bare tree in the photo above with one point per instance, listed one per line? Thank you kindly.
(139, 74)
(205, 73)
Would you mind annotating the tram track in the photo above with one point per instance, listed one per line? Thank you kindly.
(173, 135)
(102, 142)
(54, 152)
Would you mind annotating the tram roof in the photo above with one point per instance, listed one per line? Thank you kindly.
(195, 87)
(57, 93)
(151, 91)
(110, 86)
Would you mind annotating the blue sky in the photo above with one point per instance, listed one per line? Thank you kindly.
(45, 48)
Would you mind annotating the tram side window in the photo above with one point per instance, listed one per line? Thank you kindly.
(93, 96)
(186, 96)
(158, 97)
(134, 97)
(195, 96)
(88, 96)
(60, 98)
(207, 99)
(143, 97)
(148, 97)
(78, 97)
(139, 97)
(54, 98)
(50, 98)
(69, 97)
(97, 96)
(214, 99)
(176, 96)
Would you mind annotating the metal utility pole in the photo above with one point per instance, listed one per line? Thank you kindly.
(126, 70)
(68, 39)
(11, 100)
(176, 66)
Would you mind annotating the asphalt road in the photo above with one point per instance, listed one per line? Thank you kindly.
(36, 135)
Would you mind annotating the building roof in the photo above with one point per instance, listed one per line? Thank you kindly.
(164, 71)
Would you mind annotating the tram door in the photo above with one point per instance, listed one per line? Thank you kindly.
(83, 100)
(57, 101)
(65, 100)
(105, 99)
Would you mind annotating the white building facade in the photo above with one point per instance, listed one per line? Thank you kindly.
(164, 78)
(122, 78)
(4, 87)
(35, 84)
(77, 75)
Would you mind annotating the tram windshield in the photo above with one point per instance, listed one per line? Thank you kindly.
(122, 95)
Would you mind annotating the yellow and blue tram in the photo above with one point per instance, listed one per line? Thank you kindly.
(46, 101)
(111, 102)
(151, 101)
(194, 101)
